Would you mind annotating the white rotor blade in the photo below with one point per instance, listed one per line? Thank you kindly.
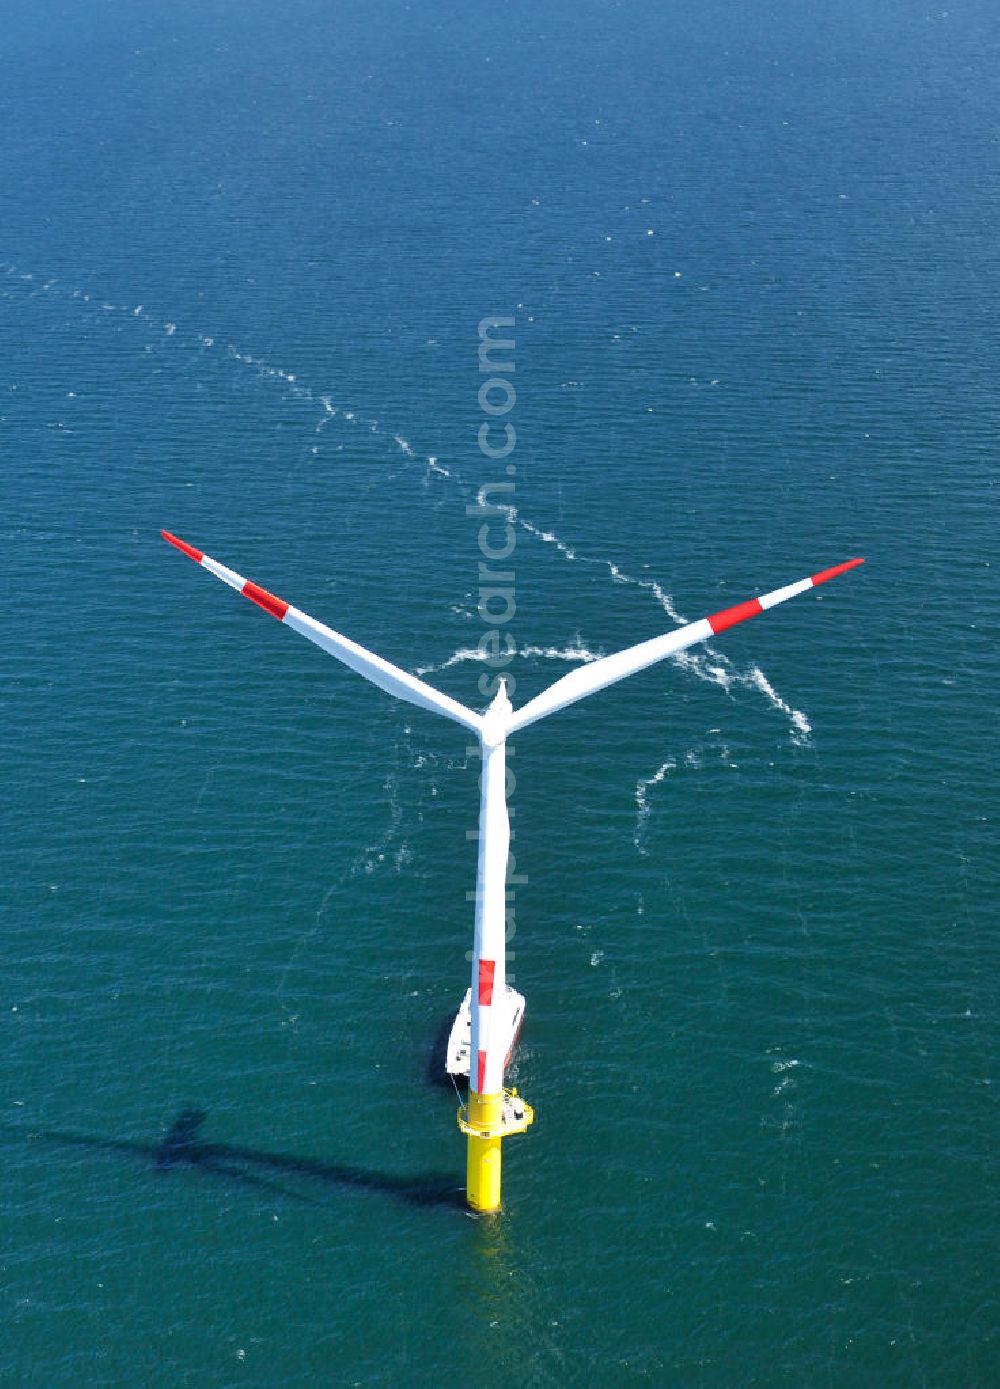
(382, 673)
(597, 674)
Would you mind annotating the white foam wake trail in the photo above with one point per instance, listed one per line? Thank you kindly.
(801, 727)
(694, 760)
(546, 537)
(544, 653)
(578, 652)
(642, 789)
(258, 365)
(457, 658)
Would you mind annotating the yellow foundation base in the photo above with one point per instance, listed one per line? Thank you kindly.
(482, 1181)
(486, 1122)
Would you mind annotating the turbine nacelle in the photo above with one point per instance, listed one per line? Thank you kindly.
(496, 720)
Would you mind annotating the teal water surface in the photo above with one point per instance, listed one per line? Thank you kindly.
(752, 261)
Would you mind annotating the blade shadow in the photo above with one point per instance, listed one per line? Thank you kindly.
(183, 1147)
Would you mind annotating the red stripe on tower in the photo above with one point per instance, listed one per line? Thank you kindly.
(265, 600)
(825, 574)
(481, 1072)
(183, 546)
(730, 616)
(487, 968)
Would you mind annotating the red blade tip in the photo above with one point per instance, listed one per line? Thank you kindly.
(183, 546)
(825, 574)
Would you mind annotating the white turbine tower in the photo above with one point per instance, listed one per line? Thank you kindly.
(488, 1117)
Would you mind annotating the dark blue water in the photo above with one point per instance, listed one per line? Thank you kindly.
(752, 260)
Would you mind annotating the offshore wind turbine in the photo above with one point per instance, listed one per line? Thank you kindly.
(492, 1113)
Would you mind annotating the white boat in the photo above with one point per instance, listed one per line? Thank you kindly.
(460, 1038)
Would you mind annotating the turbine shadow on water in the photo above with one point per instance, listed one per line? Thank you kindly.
(183, 1147)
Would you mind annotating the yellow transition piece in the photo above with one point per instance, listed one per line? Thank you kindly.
(486, 1121)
